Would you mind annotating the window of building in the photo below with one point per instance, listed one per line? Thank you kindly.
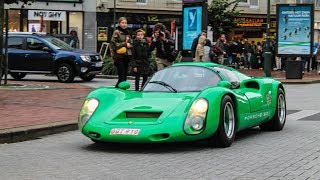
(251, 3)
(15, 42)
(305, 1)
(141, 1)
(318, 3)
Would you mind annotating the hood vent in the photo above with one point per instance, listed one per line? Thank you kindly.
(143, 114)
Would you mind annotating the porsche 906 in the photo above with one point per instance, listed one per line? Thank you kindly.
(185, 102)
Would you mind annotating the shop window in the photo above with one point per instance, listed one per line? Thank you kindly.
(34, 44)
(15, 42)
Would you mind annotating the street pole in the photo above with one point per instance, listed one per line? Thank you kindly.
(6, 49)
(267, 54)
(114, 14)
(1, 37)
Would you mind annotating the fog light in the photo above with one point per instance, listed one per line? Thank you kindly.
(197, 123)
(84, 69)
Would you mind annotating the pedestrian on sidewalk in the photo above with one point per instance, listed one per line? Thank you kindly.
(220, 45)
(195, 43)
(200, 49)
(141, 59)
(121, 48)
(247, 50)
(163, 43)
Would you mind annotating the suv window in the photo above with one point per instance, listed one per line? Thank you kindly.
(15, 42)
(35, 44)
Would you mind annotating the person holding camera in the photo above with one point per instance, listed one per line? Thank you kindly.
(163, 43)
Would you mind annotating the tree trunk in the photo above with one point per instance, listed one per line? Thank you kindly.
(1, 37)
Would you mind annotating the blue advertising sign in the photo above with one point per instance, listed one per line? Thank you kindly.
(192, 25)
(295, 29)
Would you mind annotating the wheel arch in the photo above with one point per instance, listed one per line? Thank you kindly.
(63, 60)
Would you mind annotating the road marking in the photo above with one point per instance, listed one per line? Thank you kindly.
(301, 114)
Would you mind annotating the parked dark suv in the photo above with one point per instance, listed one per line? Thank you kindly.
(45, 54)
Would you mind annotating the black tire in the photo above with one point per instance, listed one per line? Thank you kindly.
(279, 119)
(65, 73)
(227, 122)
(18, 75)
(88, 77)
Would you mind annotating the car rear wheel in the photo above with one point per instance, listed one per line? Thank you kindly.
(279, 119)
(65, 73)
(18, 75)
(225, 134)
(88, 77)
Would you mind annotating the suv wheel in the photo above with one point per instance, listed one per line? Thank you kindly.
(65, 73)
(88, 77)
(18, 75)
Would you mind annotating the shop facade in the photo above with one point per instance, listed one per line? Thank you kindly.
(145, 21)
(253, 27)
(58, 17)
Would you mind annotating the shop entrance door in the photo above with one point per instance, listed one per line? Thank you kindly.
(55, 27)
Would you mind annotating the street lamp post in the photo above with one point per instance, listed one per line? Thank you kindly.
(114, 13)
(267, 54)
(1, 36)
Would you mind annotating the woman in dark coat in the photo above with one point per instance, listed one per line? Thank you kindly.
(140, 59)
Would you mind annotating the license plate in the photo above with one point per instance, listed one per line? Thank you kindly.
(98, 64)
(124, 131)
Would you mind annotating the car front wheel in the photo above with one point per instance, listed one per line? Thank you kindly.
(279, 119)
(65, 73)
(225, 134)
(88, 77)
(18, 76)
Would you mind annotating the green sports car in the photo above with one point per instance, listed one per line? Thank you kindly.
(184, 102)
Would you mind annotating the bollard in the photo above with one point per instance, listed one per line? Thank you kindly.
(267, 64)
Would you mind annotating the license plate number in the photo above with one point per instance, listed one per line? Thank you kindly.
(124, 131)
(98, 64)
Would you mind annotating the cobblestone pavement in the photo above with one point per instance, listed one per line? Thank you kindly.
(293, 153)
(289, 154)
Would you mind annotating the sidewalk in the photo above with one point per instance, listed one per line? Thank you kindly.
(52, 107)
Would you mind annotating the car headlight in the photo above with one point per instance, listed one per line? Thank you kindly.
(196, 118)
(85, 58)
(88, 108)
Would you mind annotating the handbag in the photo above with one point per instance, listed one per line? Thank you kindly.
(122, 50)
(172, 56)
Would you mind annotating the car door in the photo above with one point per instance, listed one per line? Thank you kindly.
(252, 93)
(36, 57)
(16, 53)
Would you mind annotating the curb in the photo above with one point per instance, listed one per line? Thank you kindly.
(33, 132)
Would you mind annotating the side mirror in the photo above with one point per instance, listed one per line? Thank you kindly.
(224, 84)
(46, 49)
(124, 85)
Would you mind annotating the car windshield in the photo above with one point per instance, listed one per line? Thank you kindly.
(182, 79)
(57, 44)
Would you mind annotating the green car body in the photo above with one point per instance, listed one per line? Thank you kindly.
(226, 102)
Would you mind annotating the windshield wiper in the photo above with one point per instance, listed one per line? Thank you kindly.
(168, 86)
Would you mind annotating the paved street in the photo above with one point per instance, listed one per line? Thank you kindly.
(293, 153)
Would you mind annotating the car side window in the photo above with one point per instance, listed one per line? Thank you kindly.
(35, 44)
(230, 76)
(15, 42)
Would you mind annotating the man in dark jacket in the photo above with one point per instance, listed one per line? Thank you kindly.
(163, 43)
(195, 43)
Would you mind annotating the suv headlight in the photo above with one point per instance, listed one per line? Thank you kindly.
(88, 108)
(85, 58)
(196, 118)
